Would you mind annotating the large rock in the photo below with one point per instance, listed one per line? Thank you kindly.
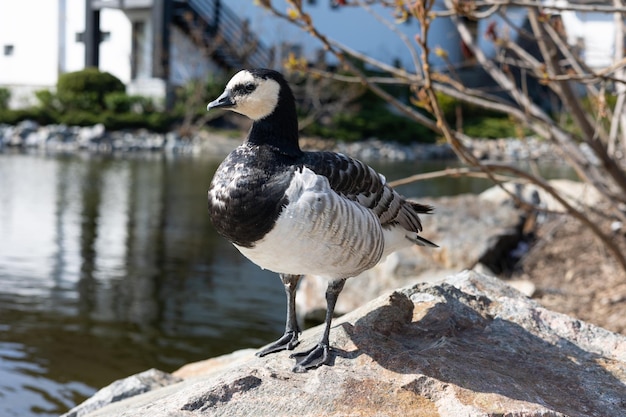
(466, 346)
(577, 194)
(125, 388)
(470, 231)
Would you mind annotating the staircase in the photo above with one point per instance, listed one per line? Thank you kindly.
(220, 33)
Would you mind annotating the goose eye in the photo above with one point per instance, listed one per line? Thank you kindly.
(250, 87)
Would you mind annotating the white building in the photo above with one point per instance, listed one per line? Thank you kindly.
(154, 45)
(594, 33)
(35, 47)
(145, 43)
(149, 44)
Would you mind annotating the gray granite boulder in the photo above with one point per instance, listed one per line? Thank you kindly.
(577, 194)
(125, 388)
(468, 345)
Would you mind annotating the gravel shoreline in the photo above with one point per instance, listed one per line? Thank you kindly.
(96, 139)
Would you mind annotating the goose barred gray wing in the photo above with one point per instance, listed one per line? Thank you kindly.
(357, 181)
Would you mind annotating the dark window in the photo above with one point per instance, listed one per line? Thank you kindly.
(8, 50)
(137, 62)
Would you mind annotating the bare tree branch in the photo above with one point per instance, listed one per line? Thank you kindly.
(555, 67)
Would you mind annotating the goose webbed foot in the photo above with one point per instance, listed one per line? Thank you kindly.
(320, 354)
(288, 341)
(317, 356)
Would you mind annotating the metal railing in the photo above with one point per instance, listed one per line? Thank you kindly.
(239, 46)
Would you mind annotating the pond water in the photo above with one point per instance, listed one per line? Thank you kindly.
(110, 266)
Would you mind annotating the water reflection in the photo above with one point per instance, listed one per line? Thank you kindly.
(109, 266)
(24, 387)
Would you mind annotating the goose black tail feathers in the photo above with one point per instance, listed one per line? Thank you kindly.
(421, 208)
(420, 241)
(417, 239)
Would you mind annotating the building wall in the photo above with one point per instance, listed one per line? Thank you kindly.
(34, 37)
(28, 46)
(115, 51)
(594, 33)
(188, 62)
(141, 82)
(40, 39)
(74, 20)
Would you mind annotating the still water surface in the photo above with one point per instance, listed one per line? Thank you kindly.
(110, 266)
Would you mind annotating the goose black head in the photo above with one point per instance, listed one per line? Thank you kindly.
(253, 93)
(264, 96)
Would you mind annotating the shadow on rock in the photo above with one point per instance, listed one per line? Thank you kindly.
(445, 336)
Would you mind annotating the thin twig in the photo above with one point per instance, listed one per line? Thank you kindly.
(450, 172)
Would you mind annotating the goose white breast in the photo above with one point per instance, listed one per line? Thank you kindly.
(319, 232)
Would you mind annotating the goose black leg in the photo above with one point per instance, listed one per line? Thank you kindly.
(289, 340)
(320, 353)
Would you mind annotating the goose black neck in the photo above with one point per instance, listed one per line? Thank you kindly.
(280, 128)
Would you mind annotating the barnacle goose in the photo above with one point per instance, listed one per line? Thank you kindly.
(295, 212)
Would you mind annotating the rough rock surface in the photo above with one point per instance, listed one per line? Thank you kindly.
(577, 194)
(466, 346)
(514, 149)
(124, 388)
(61, 138)
(469, 230)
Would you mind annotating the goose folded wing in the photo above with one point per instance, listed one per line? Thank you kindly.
(358, 182)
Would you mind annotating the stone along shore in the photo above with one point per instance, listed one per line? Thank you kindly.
(61, 138)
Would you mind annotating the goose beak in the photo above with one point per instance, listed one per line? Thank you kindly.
(224, 101)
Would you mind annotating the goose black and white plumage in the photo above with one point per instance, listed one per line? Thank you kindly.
(295, 212)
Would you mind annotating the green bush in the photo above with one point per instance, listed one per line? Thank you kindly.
(9, 117)
(383, 125)
(47, 99)
(5, 96)
(119, 102)
(156, 122)
(86, 89)
(160, 122)
(80, 118)
(371, 118)
(450, 107)
(494, 128)
(214, 86)
(41, 116)
(192, 98)
(120, 121)
(144, 104)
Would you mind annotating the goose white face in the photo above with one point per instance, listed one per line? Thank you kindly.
(251, 96)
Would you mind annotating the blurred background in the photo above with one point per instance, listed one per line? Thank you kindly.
(108, 262)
